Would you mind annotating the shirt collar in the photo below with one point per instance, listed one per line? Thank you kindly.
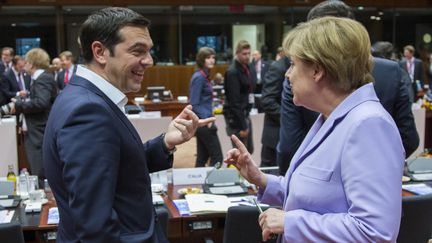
(37, 73)
(114, 94)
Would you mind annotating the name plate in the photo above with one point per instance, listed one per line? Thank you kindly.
(188, 176)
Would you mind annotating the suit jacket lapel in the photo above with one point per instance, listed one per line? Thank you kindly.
(88, 85)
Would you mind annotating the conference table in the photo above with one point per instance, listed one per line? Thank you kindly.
(180, 228)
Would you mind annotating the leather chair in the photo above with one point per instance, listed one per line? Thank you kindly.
(162, 214)
(11, 233)
(241, 225)
(416, 222)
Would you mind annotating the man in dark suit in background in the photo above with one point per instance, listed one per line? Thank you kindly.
(390, 89)
(261, 67)
(6, 59)
(240, 79)
(96, 164)
(414, 68)
(271, 101)
(68, 69)
(16, 82)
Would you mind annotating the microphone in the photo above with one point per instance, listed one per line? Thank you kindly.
(216, 166)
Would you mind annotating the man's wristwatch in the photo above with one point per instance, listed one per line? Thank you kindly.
(167, 150)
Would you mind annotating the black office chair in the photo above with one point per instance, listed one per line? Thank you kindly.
(162, 214)
(241, 225)
(11, 233)
(416, 222)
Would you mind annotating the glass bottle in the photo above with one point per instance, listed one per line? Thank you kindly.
(11, 176)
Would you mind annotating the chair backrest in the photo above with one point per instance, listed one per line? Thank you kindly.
(416, 222)
(241, 225)
(162, 214)
(11, 233)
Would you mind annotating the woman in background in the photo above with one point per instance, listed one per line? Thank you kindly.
(344, 182)
(201, 98)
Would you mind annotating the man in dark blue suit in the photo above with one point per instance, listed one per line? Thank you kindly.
(16, 82)
(391, 90)
(95, 161)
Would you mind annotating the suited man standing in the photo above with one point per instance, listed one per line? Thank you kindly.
(270, 101)
(16, 82)
(65, 75)
(240, 79)
(414, 68)
(392, 92)
(261, 68)
(95, 161)
(56, 66)
(6, 59)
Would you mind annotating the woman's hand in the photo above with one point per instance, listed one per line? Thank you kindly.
(272, 222)
(242, 160)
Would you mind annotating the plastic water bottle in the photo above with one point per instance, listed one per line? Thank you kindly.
(23, 184)
(48, 192)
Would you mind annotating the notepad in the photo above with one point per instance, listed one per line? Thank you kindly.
(207, 203)
(419, 189)
(6, 216)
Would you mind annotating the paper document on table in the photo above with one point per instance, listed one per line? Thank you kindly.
(6, 202)
(53, 216)
(6, 216)
(207, 203)
(419, 189)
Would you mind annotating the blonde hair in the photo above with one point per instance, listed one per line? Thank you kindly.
(341, 46)
(39, 58)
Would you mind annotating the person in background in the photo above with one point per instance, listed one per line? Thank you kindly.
(392, 92)
(7, 54)
(430, 71)
(279, 53)
(384, 49)
(69, 69)
(201, 99)
(414, 68)
(261, 68)
(218, 79)
(56, 67)
(16, 82)
(36, 108)
(96, 164)
(270, 101)
(344, 182)
(240, 79)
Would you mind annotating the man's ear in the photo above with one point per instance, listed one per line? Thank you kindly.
(100, 52)
(319, 72)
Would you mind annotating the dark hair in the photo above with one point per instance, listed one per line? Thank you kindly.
(104, 25)
(203, 53)
(10, 49)
(382, 49)
(333, 8)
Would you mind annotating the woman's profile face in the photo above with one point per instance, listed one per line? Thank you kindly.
(209, 62)
(301, 78)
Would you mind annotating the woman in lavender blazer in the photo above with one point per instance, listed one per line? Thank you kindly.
(344, 182)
